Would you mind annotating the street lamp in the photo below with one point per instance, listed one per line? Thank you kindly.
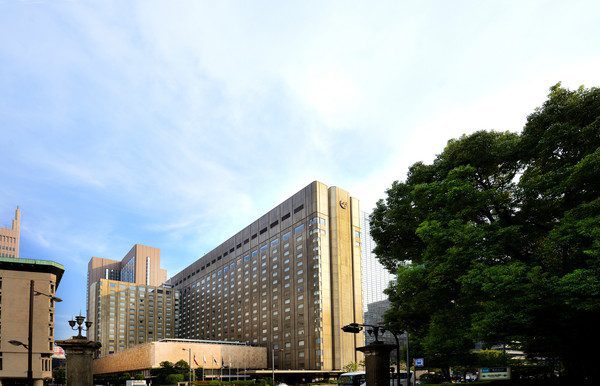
(79, 322)
(355, 328)
(273, 361)
(29, 345)
(17, 343)
(395, 334)
(189, 350)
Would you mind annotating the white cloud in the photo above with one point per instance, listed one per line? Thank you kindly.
(178, 124)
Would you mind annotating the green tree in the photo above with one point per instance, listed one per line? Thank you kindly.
(166, 368)
(350, 367)
(182, 367)
(59, 375)
(498, 240)
(172, 379)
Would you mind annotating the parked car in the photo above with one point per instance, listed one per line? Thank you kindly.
(359, 378)
(355, 378)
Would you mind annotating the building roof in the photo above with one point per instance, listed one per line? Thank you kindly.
(33, 265)
(222, 342)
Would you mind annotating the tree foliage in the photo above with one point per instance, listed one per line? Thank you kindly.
(59, 374)
(498, 240)
(168, 372)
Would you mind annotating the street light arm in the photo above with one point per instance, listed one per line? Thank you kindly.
(56, 299)
(18, 343)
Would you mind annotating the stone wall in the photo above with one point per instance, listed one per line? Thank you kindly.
(150, 355)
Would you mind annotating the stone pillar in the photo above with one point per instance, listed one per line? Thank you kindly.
(377, 363)
(79, 353)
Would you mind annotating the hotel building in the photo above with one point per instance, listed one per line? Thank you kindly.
(10, 237)
(127, 314)
(126, 300)
(141, 265)
(288, 281)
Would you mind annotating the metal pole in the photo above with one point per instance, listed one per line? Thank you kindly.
(190, 362)
(397, 359)
(407, 361)
(30, 337)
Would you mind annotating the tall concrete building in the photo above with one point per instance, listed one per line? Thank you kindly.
(375, 277)
(127, 314)
(10, 237)
(290, 280)
(18, 278)
(141, 265)
(127, 302)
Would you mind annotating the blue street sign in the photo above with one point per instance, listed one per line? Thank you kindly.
(419, 362)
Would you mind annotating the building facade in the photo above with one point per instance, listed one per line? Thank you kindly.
(375, 277)
(208, 355)
(10, 237)
(289, 281)
(141, 265)
(127, 302)
(128, 314)
(18, 279)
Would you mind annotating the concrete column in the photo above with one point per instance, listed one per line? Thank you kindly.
(79, 353)
(377, 363)
(38, 382)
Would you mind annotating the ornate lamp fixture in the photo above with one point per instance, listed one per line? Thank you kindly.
(77, 324)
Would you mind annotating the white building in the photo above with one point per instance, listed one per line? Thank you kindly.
(375, 277)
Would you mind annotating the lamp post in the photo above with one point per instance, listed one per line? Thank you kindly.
(29, 345)
(190, 362)
(407, 361)
(355, 328)
(77, 324)
(395, 334)
(273, 362)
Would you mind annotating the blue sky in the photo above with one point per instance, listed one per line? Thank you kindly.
(175, 124)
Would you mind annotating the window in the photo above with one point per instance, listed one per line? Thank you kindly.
(299, 229)
(298, 209)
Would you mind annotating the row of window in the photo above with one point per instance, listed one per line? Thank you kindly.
(299, 228)
(8, 239)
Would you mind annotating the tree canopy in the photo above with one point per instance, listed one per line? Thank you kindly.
(498, 240)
